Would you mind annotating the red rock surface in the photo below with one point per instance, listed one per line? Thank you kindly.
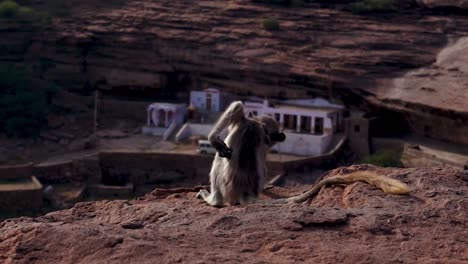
(353, 224)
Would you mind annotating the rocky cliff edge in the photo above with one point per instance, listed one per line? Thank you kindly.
(352, 224)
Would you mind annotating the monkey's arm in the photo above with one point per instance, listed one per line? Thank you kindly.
(233, 114)
(387, 184)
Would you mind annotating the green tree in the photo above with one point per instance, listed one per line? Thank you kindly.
(23, 103)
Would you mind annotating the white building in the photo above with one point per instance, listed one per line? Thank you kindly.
(208, 104)
(309, 124)
(164, 118)
(210, 100)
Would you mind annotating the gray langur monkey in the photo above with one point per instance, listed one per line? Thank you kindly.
(239, 167)
(238, 170)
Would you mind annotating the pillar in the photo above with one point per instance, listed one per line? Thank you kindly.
(155, 116)
(298, 123)
(148, 117)
(327, 126)
(312, 124)
(167, 118)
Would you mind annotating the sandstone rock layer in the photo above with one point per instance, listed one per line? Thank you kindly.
(353, 224)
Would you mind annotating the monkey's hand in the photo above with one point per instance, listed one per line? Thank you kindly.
(223, 150)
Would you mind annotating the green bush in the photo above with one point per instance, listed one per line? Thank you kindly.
(389, 158)
(26, 15)
(270, 24)
(12, 10)
(9, 9)
(373, 6)
(24, 104)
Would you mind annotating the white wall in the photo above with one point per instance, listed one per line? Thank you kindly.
(190, 129)
(198, 99)
(304, 144)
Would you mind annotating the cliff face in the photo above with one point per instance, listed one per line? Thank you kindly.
(168, 46)
(435, 95)
(353, 224)
(139, 43)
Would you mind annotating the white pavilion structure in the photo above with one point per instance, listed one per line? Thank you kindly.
(164, 118)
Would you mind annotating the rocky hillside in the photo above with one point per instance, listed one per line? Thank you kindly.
(319, 49)
(139, 43)
(353, 224)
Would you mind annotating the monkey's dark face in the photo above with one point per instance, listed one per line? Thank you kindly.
(277, 137)
(271, 128)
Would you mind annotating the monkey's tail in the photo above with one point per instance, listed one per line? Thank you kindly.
(388, 185)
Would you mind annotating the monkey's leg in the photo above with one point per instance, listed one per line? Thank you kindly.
(247, 199)
(213, 199)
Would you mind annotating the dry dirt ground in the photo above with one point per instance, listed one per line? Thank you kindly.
(353, 224)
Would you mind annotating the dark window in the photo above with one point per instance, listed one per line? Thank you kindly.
(277, 117)
(357, 128)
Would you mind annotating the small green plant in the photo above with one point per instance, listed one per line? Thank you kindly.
(9, 9)
(389, 158)
(373, 6)
(270, 24)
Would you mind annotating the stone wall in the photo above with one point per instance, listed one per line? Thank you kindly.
(83, 169)
(358, 134)
(23, 171)
(152, 168)
(23, 197)
(142, 168)
(20, 191)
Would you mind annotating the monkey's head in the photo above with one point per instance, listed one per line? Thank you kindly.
(272, 131)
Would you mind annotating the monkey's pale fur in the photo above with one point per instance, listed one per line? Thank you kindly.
(238, 170)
